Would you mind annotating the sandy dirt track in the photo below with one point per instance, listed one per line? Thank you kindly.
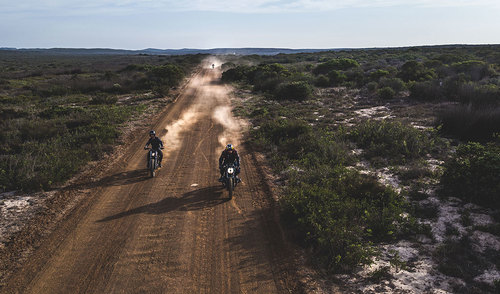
(178, 232)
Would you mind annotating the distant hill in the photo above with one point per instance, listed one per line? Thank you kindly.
(215, 51)
(153, 51)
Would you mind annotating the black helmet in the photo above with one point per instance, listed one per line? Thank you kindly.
(152, 133)
(229, 147)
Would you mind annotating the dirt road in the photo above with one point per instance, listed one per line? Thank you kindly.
(176, 233)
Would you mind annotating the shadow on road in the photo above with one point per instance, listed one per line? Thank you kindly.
(194, 200)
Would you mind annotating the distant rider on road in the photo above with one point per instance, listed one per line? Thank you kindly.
(229, 155)
(156, 144)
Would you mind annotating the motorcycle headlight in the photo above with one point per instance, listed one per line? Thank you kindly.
(230, 170)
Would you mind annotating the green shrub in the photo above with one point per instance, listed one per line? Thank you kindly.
(238, 73)
(474, 69)
(355, 77)
(426, 91)
(227, 65)
(379, 73)
(162, 78)
(339, 213)
(473, 174)
(415, 71)
(457, 259)
(335, 64)
(386, 93)
(371, 86)
(479, 95)
(393, 140)
(394, 83)
(103, 99)
(336, 77)
(334, 210)
(293, 91)
(469, 123)
(322, 81)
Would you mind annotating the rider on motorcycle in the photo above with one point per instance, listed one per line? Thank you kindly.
(229, 155)
(156, 144)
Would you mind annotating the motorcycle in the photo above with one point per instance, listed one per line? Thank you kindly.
(153, 161)
(229, 179)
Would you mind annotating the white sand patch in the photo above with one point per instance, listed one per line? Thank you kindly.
(388, 178)
(384, 175)
(15, 210)
(449, 215)
(480, 219)
(488, 276)
(483, 241)
(357, 151)
(418, 276)
(371, 112)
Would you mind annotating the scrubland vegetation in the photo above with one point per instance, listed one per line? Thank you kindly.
(61, 111)
(303, 113)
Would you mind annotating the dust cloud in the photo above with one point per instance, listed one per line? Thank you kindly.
(172, 137)
(211, 100)
(232, 127)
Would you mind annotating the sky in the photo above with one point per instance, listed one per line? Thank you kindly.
(203, 24)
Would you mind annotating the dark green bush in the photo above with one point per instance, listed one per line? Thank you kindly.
(371, 86)
(322, 81)
(426, 91)
(479, 95)
(335, 64)
(379, 73)
(473, 174)
(415, 71)
(238, 73)
(355, 76)
(162, 78)
(227, 65)
(394, 83)
(336, 77)
(294, 91)
(475, 70)
(386, 93)
(470, 123)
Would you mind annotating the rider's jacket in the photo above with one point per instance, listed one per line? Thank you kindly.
(155, 142)
(227, 157)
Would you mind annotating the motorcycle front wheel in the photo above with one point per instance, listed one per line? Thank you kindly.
(152, 168)
(230, 187)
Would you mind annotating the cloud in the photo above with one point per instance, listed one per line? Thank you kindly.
(235, 6)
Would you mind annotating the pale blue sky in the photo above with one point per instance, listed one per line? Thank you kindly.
(176, 24)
